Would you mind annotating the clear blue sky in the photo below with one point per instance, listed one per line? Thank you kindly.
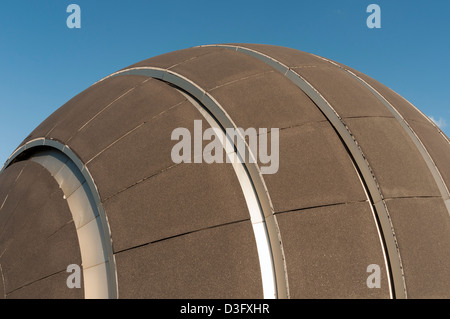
(43, 63)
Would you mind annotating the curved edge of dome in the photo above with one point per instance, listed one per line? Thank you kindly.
(80, 192)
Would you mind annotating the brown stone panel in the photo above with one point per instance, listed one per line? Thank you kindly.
(48, 257)
(39, 221)
(267, 101)
(345, 94)
(396, 162)
(170, 59)
(182, 199)
(328, 250)
(8, 178)
(220, 262)
(303, 60)
(47, 125)
(52, 287)
(436, 145)
(141, 105)
(314, 170)
(37, 236)
(401, 105)
(288, 56)
(90, 100)
(142, 153)
(32, 190)
(79, 110)
(221, 67)
(19, 192)
(421, 226)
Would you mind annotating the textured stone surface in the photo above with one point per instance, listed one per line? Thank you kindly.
(345, 94)
(145, 102)
(183, 199)
(171, 59)
(219, 262)
(288, 56)
(267, 101)
(399, 103)
(142, 153)
(436, 145)
(66, 121)
(220, 67)
(421, 226)
(38, 223)
(314, 170)
(51, 287)
(7, 180)
(328, 250)
(38, 238)
(48, 257)
(20, 191)
(396, 162)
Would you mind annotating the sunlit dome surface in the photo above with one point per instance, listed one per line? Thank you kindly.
(363, 180)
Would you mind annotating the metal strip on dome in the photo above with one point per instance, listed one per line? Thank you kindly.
(434, 170)
(264, 223)
(251, 198)
(388, 240)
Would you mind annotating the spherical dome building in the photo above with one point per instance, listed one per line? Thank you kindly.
(357, 206)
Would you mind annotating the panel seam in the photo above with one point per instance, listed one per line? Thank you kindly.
(211, 106)
(181, 235)
(351, 143)
(434, 170)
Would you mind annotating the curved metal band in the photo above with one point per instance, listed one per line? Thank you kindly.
(80, 191)
(265, 226)
(443, 189)
(384, 224)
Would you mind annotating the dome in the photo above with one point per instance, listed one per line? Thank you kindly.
(350, 200)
